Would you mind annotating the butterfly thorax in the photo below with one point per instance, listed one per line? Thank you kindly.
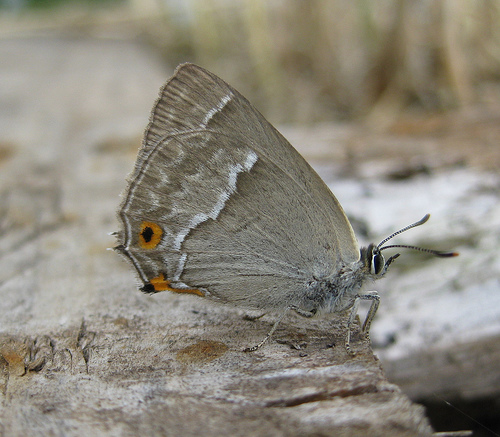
(338, 291)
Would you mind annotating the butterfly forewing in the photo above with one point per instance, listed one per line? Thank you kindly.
(240, 212)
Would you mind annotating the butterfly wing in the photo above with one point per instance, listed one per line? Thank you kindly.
(220, 202)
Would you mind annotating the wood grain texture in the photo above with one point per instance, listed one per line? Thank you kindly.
(82, 352)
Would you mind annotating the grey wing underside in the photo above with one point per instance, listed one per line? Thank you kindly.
(243, 213)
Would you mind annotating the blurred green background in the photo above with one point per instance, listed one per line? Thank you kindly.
(307, 61)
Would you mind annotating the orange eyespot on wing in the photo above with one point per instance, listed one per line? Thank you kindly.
(150, 235)
(161, 284)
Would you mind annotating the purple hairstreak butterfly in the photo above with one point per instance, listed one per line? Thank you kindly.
(220, 205)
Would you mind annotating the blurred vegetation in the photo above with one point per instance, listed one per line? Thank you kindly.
(18, 5)
(315, 60)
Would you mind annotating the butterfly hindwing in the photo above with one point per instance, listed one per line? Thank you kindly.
(239, 211)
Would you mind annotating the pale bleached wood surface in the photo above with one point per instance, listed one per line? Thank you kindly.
(83, 352)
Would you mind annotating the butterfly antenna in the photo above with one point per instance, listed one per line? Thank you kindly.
(413, 225)
(439, 253)
(420, 249)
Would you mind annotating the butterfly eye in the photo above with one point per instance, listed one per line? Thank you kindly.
(378, 262)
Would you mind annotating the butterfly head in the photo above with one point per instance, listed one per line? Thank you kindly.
(375, 260)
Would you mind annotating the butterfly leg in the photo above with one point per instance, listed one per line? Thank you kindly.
(375, 300)
(271, 332)
(253, 318)
(303, 313)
